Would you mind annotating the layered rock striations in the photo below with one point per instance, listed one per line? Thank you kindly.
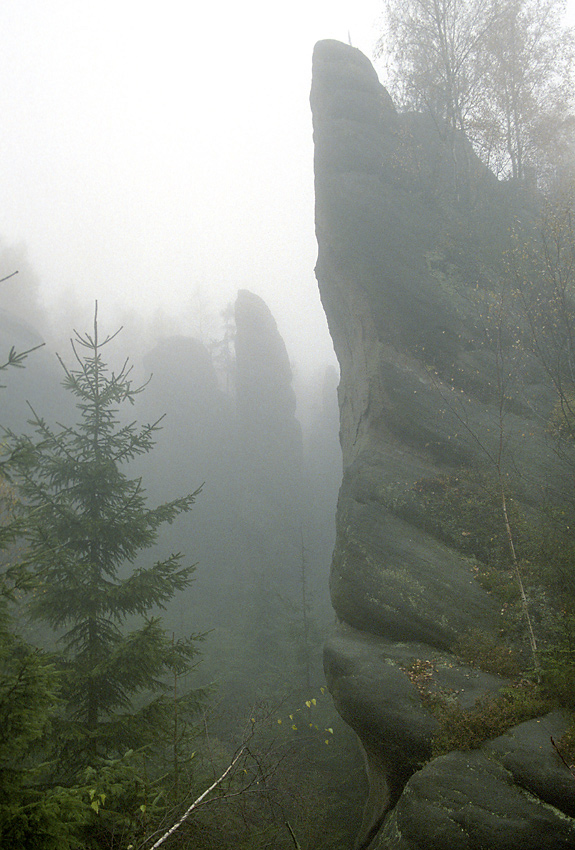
(411, 244)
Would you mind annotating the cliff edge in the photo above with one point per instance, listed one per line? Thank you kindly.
(411, 244)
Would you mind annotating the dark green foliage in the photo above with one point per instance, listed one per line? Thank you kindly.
(28, 688)
(559, 662)
(553, 572)
(86, 524)
(555, 556)
(42, 820)
(100, 744)
(30, 815)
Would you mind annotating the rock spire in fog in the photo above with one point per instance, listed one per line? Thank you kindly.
(410, 253)
(265, 397)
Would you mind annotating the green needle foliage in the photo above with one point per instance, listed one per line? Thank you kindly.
(87, 523)
(30, 815)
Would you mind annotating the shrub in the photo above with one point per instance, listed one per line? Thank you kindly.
(461, 729)
(482, 650)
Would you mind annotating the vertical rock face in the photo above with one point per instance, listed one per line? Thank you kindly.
(247, 450)
(409, 260)
(266, 403)
(270, 448)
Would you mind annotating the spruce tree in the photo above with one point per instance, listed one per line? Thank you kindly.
(87, 525)
(31, 815)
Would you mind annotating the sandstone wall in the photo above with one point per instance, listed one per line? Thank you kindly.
(411, 260)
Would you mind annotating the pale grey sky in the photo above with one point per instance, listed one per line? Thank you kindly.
(151, 148)
(148, 148)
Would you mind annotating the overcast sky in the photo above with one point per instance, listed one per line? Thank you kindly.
(151, 148)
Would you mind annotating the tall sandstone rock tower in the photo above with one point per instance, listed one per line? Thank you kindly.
(411, 255)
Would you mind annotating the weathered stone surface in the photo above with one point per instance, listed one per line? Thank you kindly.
(393, 579)
(409, 265)
(247, 449)
(527, 752)
(269, 460)
(372, 685)
(468, 801)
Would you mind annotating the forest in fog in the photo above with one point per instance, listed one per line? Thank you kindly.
(181, 491)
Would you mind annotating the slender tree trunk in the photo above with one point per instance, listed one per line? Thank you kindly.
(501, 388)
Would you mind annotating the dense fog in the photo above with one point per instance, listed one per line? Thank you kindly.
(286, 425)
(262, 529)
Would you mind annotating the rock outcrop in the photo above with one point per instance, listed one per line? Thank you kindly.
(266, 402)
(247, 449)
(410, 259)
(270, 447)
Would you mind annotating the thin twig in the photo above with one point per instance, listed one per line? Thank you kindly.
(297, 845)
(197, 802)
(569, 767)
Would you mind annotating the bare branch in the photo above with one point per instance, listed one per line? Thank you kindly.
(200, 799)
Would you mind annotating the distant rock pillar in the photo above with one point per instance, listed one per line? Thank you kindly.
(270, 435)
